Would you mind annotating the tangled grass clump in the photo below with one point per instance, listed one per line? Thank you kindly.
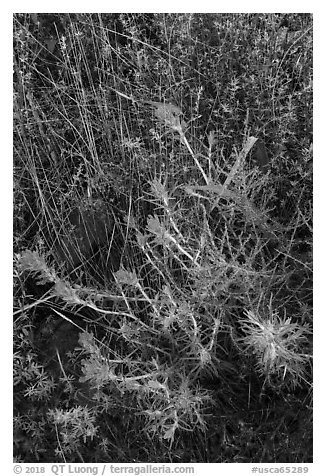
(163, 237)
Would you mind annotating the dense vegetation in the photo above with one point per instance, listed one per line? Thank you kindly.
(162, 237)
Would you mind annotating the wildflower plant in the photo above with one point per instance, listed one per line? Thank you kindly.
(277, 345)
